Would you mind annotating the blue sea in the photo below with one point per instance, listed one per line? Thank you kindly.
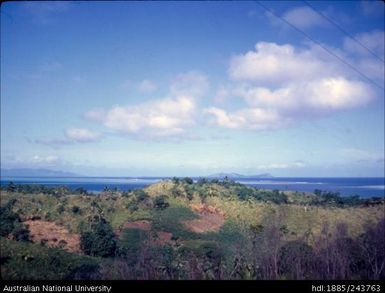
(364, 187)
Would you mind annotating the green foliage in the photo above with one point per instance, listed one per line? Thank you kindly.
(28, 261)
(202, 181)
(187, 180)
(76, 210)
(100, 240)
(7, 219)
(160, 202)
(141, 195)
(10, 223)
(330, 198)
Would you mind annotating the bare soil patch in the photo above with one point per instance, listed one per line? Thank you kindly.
(210, 219)
(159, 238)
(163, 238)
(53, 235)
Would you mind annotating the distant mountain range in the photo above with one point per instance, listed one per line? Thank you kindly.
(25, 172)
(236, 175)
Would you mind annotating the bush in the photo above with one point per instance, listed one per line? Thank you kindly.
(141, 195)
(100, 241)
(7, 219)
(188, 180)
(76, 210)
(160, 202)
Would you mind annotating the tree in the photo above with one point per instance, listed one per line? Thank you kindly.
(160, 202)
(188, 180)
(100, 240)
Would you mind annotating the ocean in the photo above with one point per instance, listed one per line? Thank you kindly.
(364, 187)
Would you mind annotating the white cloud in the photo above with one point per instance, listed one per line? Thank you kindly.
(248, 118)
(281, 85)
(277, 64)
(147, 86)
(320, 95)
(82, 135)
(44, 160)
(304, 17)
(192, 83)
(160, 118)
(168, 117)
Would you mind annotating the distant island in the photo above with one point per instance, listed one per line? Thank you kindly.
(29, 172)
(237, 175)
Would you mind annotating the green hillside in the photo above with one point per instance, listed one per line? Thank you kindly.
(177, 229)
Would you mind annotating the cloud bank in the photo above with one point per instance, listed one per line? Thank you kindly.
(281, 85)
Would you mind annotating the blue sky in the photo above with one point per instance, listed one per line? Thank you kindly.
(193, 88)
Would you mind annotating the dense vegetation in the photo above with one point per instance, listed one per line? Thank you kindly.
(178, 229)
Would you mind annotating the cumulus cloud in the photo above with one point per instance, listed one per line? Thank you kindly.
(249, 118)
(82, 135)
(191, 83)
(320, 95)
(277, 64)
(281, 85)
(147, 86)
(160, 118)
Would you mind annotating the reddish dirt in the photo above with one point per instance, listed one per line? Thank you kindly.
(142, 224)
(160, 238)
(53, 235)
(163, 238)
(210, 219)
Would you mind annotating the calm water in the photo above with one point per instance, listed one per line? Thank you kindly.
(365, 187)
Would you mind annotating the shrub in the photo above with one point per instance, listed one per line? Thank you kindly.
(100, 241)
(141, 195)
(188, 180)
(76, 210)
(7, 219)
(160, 202)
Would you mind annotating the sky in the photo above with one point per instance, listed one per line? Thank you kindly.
(124, 88)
